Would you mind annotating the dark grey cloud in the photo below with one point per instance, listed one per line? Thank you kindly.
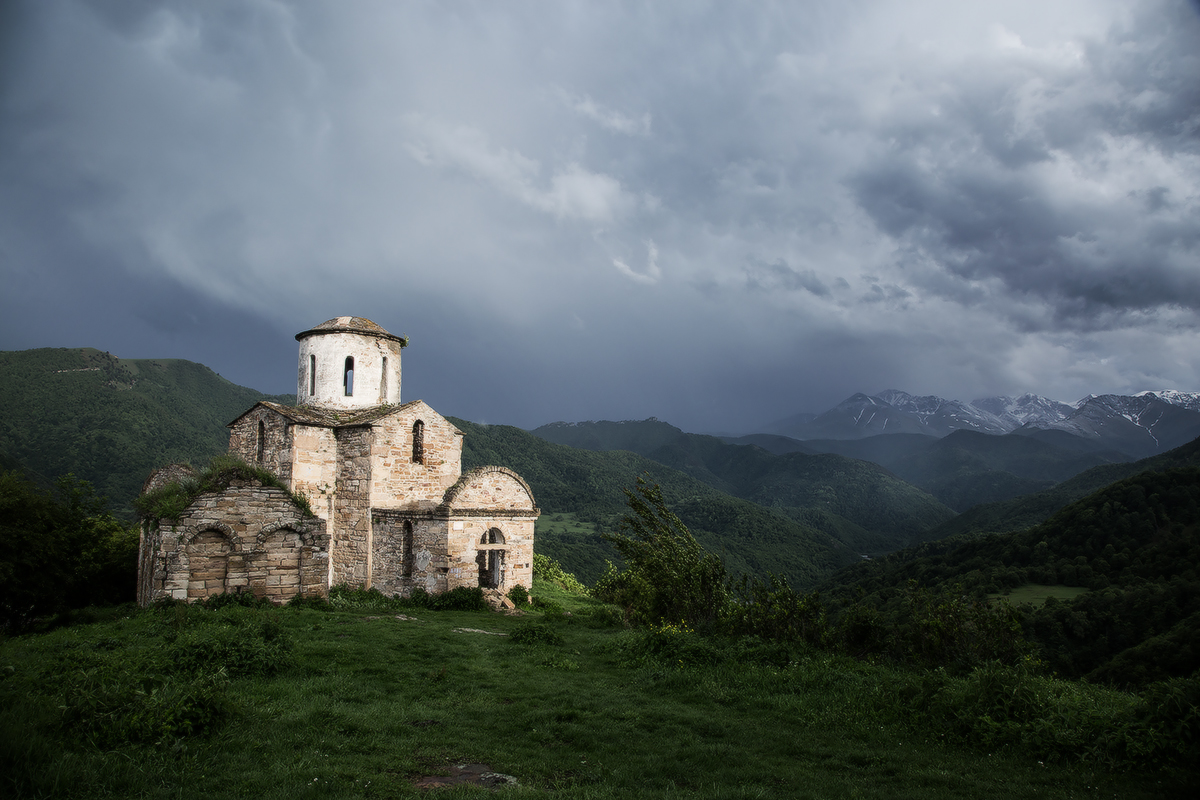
(609, 210)
(1057, 202)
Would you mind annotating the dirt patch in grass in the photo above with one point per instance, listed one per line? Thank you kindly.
(473, 774)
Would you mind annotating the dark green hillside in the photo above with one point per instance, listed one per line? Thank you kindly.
(884, 449)
(967, 467)
(771, 442)
(110, 421)
(1135, 545)
(1024, 512)
(874, 511)
(590, 484)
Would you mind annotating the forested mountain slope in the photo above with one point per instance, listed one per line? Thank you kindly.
(110, 420)
(967, 468)
(892, 512)
(1134, 544)
(591, 484)
(1023, 512)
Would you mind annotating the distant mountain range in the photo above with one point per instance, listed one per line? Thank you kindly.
(1138, 425)
(887, 471)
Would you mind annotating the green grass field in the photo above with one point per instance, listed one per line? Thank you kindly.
(1036, 594)
(294, 703)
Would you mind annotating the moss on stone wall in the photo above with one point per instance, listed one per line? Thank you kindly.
(170, 501)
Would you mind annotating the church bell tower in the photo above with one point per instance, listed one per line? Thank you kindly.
(348, 363)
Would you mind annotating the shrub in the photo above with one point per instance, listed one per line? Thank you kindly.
(111, 707)
(460, 598)
(234, 651)
(550, 570)
(773, 610)
(605, 617)
(519, 595)
(670, 578)
(313, 601)
(1165, 725)
(535, 633)
(239, 599)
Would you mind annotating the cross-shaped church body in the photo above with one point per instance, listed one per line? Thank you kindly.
(384, 479)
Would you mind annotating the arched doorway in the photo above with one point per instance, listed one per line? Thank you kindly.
(490, 559)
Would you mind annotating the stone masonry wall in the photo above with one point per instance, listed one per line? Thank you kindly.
(277, 441)
(247, 538)
(351, 545)
(427, 566)
(399, 482)
(448, 552)
(468, 549)
(490, 488)
(314, 468)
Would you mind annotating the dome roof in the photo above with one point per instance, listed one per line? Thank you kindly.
(351, 325)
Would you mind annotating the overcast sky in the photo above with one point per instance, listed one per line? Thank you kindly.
(717, 214)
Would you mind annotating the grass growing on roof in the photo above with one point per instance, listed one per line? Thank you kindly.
(170, 501)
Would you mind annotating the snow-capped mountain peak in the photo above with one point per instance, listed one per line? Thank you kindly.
(1188, 400)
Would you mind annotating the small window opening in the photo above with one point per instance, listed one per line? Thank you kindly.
(348, 376)
(418, 442)
(493, 536)
(262, 441)
(407, 556)
(312, 375)
(383, 382)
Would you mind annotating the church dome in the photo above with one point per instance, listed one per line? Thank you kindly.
(350, 325)
(348, 364)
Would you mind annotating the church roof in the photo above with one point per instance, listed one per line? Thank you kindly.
(351, 325)
(331, 418)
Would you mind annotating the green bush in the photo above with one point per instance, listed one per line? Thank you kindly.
(546, 606)
(239, 599)
(773, 610)
(670, 577)
(312, 601)
(460, 598)
(111, 708)
(535, 633)
(519, 595)
(1165, 725)
(604, 617)
(550, 570)
(62, 550)
(236, 651)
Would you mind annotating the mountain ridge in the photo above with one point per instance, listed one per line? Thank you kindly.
(1139, 425)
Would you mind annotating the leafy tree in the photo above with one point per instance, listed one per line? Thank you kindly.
(669, 578)
(60, 550)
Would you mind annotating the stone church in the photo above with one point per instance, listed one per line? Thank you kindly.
(384, 478)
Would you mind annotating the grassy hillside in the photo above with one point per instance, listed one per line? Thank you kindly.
(368, 700)
(590, 486)
(111, 421)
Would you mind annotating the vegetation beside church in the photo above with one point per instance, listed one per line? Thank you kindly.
(62, 549)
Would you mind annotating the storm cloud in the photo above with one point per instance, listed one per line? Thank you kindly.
(715, 214)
